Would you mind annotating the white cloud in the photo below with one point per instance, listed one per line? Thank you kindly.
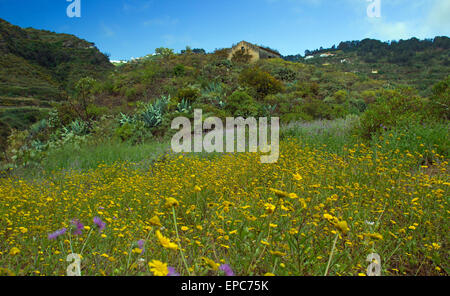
(433, 21)
(439, 16)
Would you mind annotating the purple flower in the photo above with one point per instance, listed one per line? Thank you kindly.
(172, 272)
(77, 227)
(57, 233)
(227, 269)
(141, 244)
(100, 224)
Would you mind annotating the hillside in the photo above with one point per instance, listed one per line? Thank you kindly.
(413, 62)
(38, 67)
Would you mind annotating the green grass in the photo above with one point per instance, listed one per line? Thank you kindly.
(332, 135)
(89, 156)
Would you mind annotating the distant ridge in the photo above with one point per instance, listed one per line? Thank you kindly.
(44, 64)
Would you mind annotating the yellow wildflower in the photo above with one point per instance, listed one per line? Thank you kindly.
(165, 242)
(158, 268)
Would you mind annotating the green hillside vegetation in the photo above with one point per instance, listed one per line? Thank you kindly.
(39, 68)
(72, 95)
(416, 63)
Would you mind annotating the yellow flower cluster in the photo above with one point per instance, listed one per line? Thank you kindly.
(258, 218)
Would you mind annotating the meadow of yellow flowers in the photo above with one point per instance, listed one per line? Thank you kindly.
(311, 213)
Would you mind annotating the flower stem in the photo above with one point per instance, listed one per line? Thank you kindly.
(179, 245)
(89, 234)
(331, 255)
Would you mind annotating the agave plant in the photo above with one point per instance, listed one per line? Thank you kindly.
(123, 119)
(215, 93)
(268, 110)
(184, 106)
(38, 127)
(152, 114)
(77, 127)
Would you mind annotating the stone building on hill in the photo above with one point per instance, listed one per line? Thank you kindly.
(255, 51)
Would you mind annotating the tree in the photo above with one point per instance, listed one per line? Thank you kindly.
(199, 51)
(84, 97)
(164, 52)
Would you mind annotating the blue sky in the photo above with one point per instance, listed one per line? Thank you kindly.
(133, 28)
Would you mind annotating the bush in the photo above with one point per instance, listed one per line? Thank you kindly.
(439, 105)
(285, 74)
(134, 133)
(221, 54)
(261, 81)
(95, 112)
(242, 104)
(190, 94)
(341, 96)
(391, 108)
(179, 70)
(130, 94)
(66, 113)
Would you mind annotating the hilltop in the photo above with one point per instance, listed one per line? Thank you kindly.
(38, 67)
(413, 62)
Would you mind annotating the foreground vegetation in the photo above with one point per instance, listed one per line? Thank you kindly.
(231, 211)
(86, 167)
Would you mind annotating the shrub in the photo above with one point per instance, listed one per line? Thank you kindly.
(221, 54)
(439, 105)
(211, 110)
(95, 112)
(359, 104)
(164, 52)
(179, 70)
(285, 74)
(306, 90)
(242, 104)
(392, 108)
(130, 93)
(188, 93)
(341, 96)
(317, 109)
(66, 113)
(261, 81)
(136, 133)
